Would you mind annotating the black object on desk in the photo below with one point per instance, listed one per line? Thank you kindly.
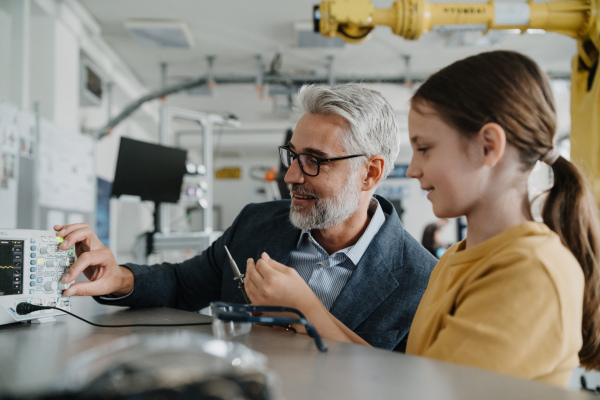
(242, 313)
(179, 365)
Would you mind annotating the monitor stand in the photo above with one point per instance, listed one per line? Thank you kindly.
(150, 235)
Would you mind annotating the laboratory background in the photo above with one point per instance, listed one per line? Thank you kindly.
(208, 86)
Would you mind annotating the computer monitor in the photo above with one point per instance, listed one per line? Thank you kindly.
(150, 171)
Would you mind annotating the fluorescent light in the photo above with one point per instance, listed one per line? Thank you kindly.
(161, 33)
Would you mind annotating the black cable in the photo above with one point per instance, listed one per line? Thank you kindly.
(26, 308)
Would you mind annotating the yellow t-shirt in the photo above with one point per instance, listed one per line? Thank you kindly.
(512, 304)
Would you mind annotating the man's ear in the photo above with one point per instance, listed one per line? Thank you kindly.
(493, 140)
(374, 172)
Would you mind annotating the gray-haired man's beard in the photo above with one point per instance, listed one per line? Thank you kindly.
(325, 212)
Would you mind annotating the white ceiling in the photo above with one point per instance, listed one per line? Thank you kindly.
(235, 31)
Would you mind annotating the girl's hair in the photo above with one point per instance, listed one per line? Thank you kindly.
(509, 89)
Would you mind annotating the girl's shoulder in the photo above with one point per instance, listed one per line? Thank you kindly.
(530, 248)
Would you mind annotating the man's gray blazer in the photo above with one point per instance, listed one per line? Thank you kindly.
(378, 302)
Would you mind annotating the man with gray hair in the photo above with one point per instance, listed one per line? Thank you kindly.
(338, 239)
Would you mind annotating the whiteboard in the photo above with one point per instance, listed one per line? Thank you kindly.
(66, 169)
(9, 164)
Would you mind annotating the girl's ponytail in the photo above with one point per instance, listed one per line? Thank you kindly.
(570, 211)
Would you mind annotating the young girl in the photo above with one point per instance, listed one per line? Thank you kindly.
(516, 296)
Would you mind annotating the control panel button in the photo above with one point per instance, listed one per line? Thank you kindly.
(44, 250)
(51, 263)
(32, 276)
(63, 286)
(33, 248)
(51, 286)
(31, 283)
(33, 269)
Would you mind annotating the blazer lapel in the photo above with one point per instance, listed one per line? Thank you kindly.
(372, 280)
(369, 285)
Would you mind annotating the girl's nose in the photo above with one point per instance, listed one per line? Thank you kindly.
(413, 171)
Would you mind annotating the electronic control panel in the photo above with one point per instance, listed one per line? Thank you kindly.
(31, 266)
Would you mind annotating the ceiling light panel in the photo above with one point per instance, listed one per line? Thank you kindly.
(161, 33)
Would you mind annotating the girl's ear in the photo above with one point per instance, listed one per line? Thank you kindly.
(493, 138)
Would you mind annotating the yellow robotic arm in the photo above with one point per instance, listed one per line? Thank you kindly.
(353, 20)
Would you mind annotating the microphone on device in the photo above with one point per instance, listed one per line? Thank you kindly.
(26, 308)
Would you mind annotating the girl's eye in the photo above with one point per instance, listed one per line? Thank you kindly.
(422, 149)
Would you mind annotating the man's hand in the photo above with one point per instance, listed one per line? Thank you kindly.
(96, 261)
(271, 283)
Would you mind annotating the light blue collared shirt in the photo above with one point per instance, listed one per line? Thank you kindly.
(327, 274)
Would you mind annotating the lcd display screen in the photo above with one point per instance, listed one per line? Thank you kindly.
(11, 267)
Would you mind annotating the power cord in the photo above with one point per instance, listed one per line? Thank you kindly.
(26, 308)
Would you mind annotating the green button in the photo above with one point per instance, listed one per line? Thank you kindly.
(59, 239)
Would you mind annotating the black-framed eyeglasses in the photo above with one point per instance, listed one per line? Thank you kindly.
(234, 312)
(310, 165)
